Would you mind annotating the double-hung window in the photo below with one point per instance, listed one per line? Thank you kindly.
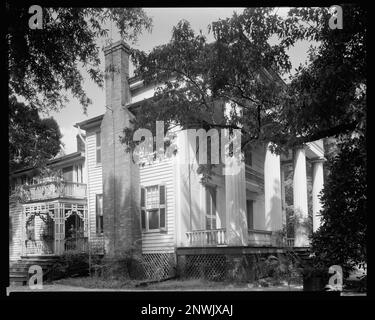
(153, 209)
(210, 208)
(250, 214)
(99, 213)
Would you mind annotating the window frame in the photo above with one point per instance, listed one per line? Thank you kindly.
(213, 212)
(248, 214)
(99, 223)
(146, 209)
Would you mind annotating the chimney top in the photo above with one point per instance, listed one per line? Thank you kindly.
(118, 45)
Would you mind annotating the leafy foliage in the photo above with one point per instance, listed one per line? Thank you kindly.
(32, 140)
(44, 64)
(342, 237)
(326, 97)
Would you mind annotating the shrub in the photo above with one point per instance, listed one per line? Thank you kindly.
(71, 264)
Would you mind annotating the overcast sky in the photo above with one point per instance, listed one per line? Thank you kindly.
(163, 21)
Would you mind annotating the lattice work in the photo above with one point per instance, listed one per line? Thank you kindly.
(156, 266)
(209, 266)
(97, 246)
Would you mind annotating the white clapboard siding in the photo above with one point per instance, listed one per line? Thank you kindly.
(95, 182)
(15, 230)
(154, 174)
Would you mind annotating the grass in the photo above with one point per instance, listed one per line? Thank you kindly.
(173, 285)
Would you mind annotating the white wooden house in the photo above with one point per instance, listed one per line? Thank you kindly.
(162, 208)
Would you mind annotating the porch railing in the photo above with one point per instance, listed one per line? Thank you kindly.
(76, 244)
(206, 237)
(289, 242)
(55, 189)
(259, 237)
(38, 247)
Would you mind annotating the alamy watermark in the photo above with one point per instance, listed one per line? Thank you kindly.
(225, 145)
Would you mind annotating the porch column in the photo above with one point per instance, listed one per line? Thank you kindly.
(272, 191)
(318, 181)
(282, 176)
(300, 198)
(23, 231)
(235, 203)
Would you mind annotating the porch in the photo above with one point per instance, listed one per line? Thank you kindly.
(53, 228)
(218, 238)
(55, 189)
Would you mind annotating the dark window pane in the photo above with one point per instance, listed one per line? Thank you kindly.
(68, 173)
(143, 219)
(162, 194)
(142, 197)
(99, 213)
(162, 218)
(98, 139)
(153, 219)
(250, 214)
(101, 226)
(208, 201)
(98, 156)
(208, 223)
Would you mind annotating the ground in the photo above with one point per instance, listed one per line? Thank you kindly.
(87, 284)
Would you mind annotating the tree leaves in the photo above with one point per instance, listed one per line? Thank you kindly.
(44, 64)
(32, 141)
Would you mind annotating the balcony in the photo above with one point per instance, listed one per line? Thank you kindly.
(55, 189)
(204, 238)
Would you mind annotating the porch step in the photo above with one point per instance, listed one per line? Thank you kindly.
(19, 270)
(18, 279)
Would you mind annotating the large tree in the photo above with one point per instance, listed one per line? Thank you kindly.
(46, 64)
(32, 140)
(326, 97)
(342, 237)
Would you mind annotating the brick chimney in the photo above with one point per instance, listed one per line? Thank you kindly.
(122, 228)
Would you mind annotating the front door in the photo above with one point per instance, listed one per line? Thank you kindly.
(74, 233)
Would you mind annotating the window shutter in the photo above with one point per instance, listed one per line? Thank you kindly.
(143, 209)
(162, 208)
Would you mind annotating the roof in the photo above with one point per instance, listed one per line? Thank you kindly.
(67, 158)
(89, 122)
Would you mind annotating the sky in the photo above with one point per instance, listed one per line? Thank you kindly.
(163, 21)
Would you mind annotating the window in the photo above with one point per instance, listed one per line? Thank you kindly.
(99, 213)
(210, 208)
(68, 173)
(153, 214)
(98, 148)
(250, 214)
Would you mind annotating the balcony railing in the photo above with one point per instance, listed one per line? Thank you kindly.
(55, 189)
(289, 242)
(205, 238)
